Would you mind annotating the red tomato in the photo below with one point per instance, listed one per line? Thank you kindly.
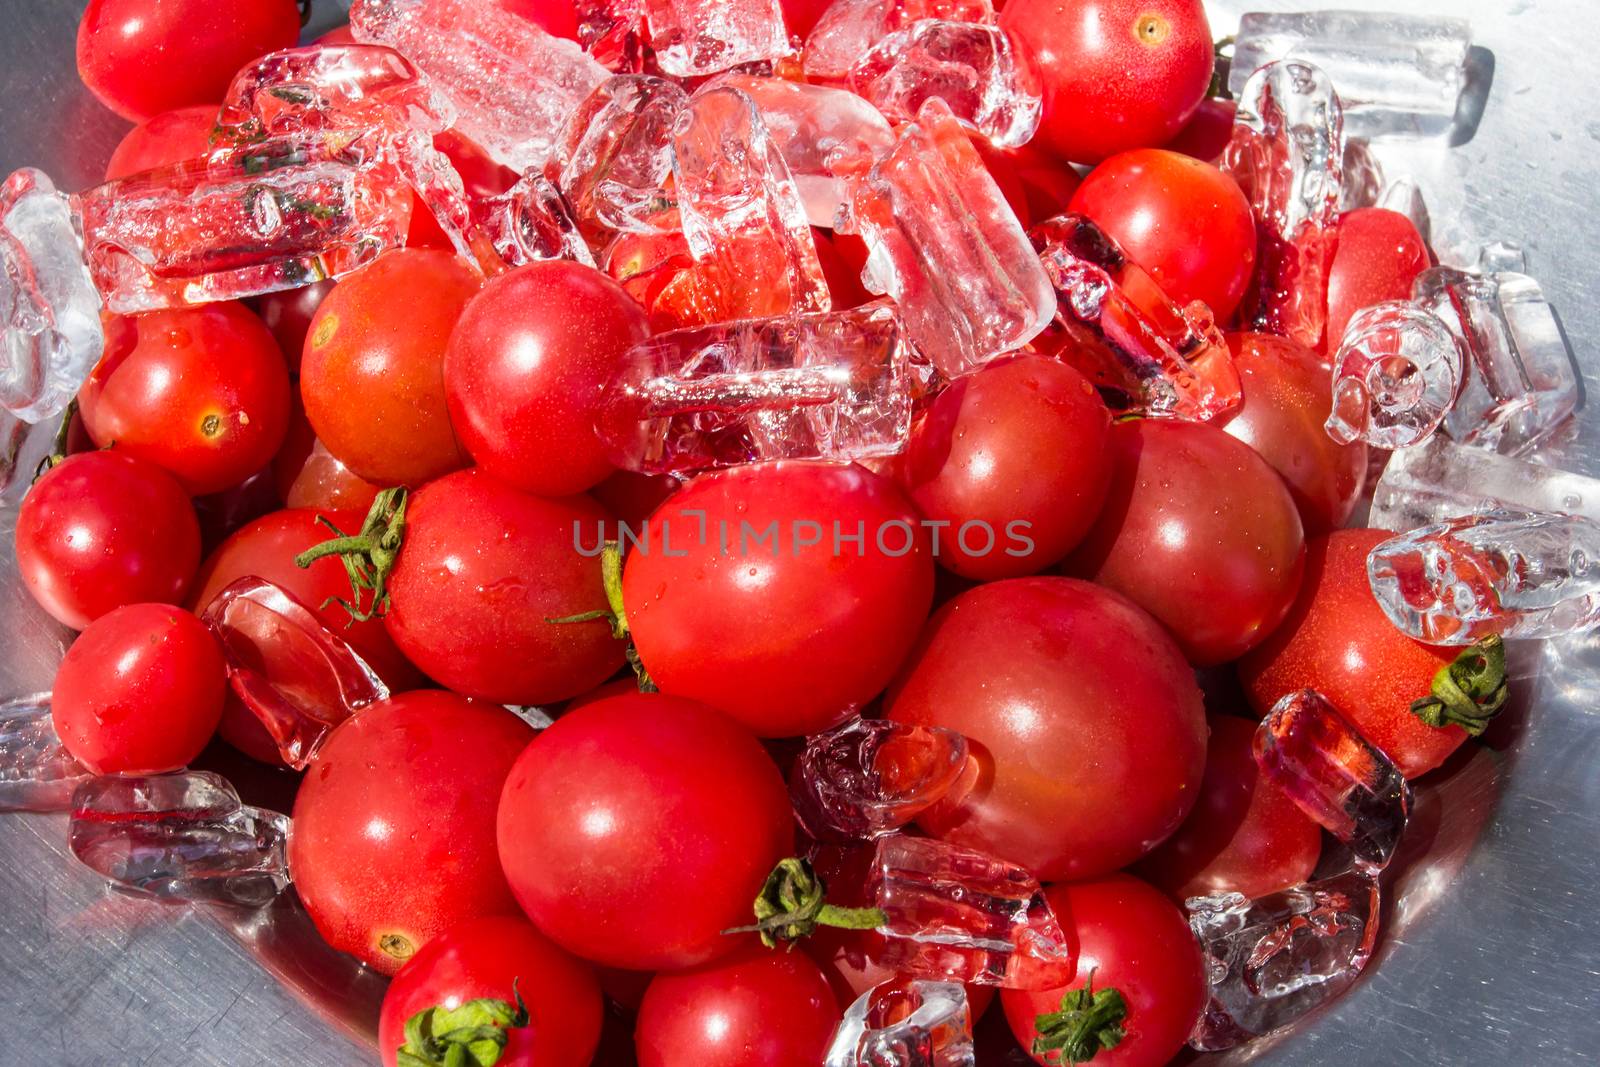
(1118, 74)
(657, 271)
(803, 632)
(393, 839)
(307, 475)
(553, 16)
(372, 377)
(482, 570)
(800, 16)
(1200, 532)
(288, 315)
(485, 958)
(843, 276)
(1002, 168)
(143, 57)
(1047, 182)
(631, 496)
(102, 530)
(1288, 392)
(1338, 641)
(140, 691)
(762, 1006)
(1208, 132)
(1380, 254)
(1244, 836)
(202, 391)
(524, 384)
(1015, 457)
(1133, 939)
(1184, 221)
(637, 829)
(170, 137)
(1047, 673)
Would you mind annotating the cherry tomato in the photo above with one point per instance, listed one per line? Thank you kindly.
(1118, 74)
(1206, 135)
(1244, 836)
(288, 314)
(631, 496)
(843, 276)
(372, 377)
(170, 137)
(202, 391)
(637, 829)
(483, 569)
(806, 625)
(1133, 939)
(307, 475)
(559, 17)
(1199, 531)
(393, 839)
(143, 57)
(762, 1006)
(1015, 457)
(1184, 221)
(140, 691)
(800, 16)
(657, 270)
(1047, 182)
(485, 958)
(1338, 641)
(102, 530)
(1288, 392)
(1046, 673)
(524, 385)
(1380, 254)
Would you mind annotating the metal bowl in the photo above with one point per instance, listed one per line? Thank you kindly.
(1491, 951)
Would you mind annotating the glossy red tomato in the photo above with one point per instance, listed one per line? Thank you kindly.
(1133, 939)
(1380, 254)
(1207, 133)
(1288, 392)
(167, 138)
(482, 570)
(637, 829)
(1046, 673)
(800, 16)
(143, 57)
(140, 691)
(805, 625)
(524, 384)
(101, 530)
(485, 958)
(1200, 532)
(288, 315)
(843, 275)
(202, 391)
(1047, 182)
(1118, 74)
(553, 16)
(1244, 836)
(631, 496)
(762, 1006)
(1184, 221)
(306, 475)
(1015, 459)
(1338, 641)
(372, 377)
(393, 839)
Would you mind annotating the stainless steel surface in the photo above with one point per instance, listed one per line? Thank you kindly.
(1493, 949)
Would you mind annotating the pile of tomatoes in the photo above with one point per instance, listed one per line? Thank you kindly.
(1179, 578)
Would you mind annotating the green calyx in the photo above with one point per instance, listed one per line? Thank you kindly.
(1468, 692)
(368, 556)
(473, 1035)
(58, 444)
(793, 903)
(1222, 63)
(1088, 1022)
(614, 613)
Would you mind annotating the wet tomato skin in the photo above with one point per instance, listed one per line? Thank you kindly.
(1379, 256)
(394, 824)
(162, 140)
(484, 958)
(306, 475)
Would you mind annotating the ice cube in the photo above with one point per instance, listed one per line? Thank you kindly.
(870, 777)
(827, 385)
(1287, 155)
(1404, 196)
(36, 774)
(613, 159)
(1395, 376)
(1113, 322)
(1399, 75)
(1307, 749)
(1501, 257)
(613, 32)
(1443, 480)
(914, 1024)
(947, 247)
(692, 37)
(183, 836)
(1273, 959)
(848, 29)
(1512, 573)
(528, 222)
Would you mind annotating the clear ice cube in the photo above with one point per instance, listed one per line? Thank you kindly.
(1404, 196)
(692, 37)
(848, 29)
(613, 32)
(1399, 75)
(1273, 959)
(1308, 749)
(528, 222)
(183, 836)
(828, 385)
(1443, 480)
(1501, 256)
(613, 159)
(1395, 376)
(36, 774)
(870, 777)
(915, 1024)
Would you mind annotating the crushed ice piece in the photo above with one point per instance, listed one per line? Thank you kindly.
(1443, 480)
(36, 773)
(870, 777)
(613, 159)
(692, 37)
(917, 1024)
(1395, 376)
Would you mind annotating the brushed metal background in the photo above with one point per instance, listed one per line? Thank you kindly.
(1493, 949)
